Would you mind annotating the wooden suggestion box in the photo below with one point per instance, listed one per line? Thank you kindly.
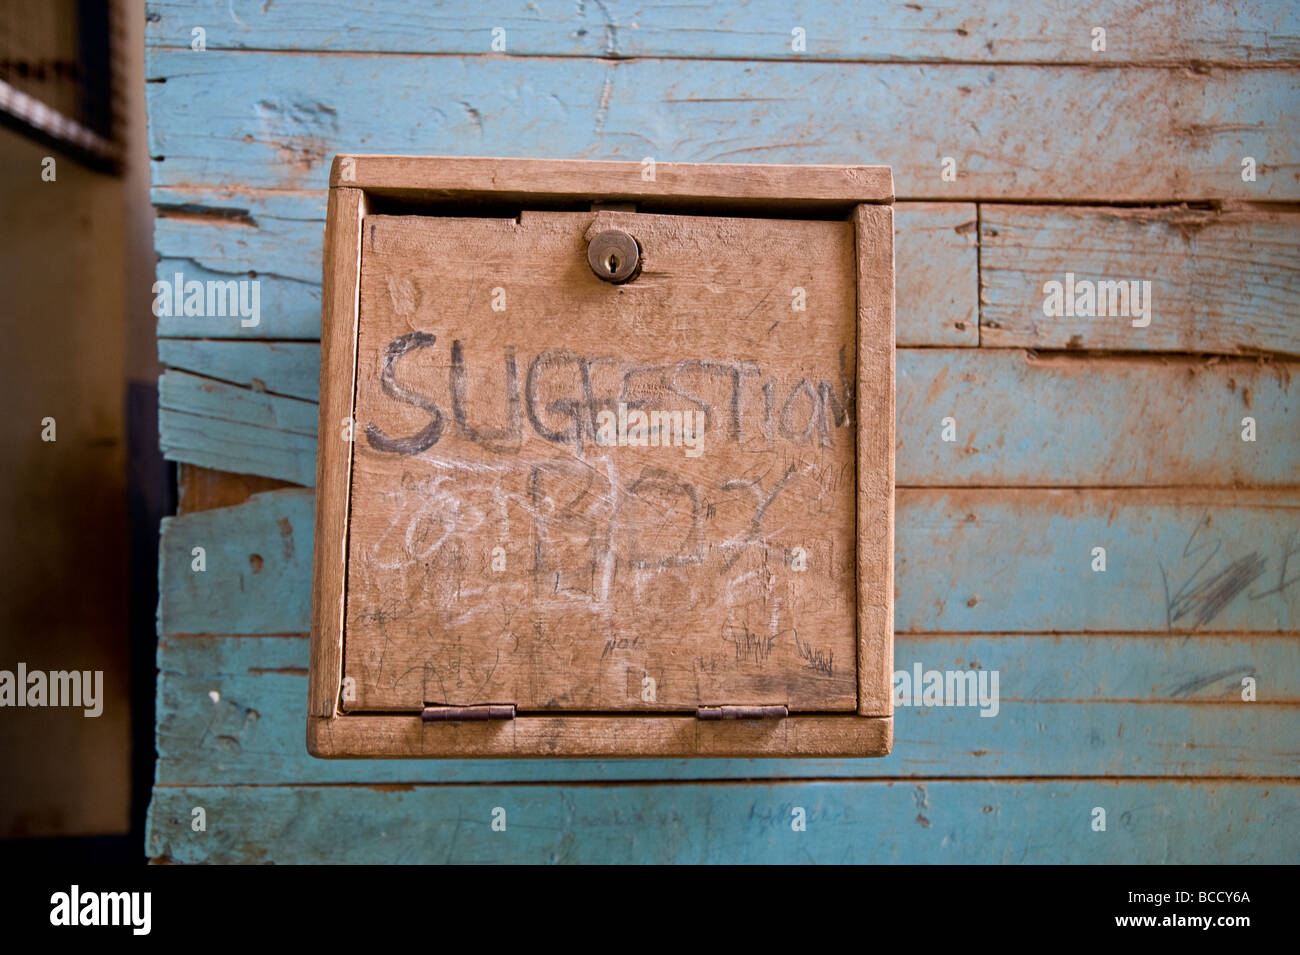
(606, 460)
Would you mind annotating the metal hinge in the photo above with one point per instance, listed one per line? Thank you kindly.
(779, 712)
(484, 711)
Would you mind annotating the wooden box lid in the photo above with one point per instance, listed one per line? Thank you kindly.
(606, 460)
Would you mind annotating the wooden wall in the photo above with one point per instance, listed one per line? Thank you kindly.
(1121, 689)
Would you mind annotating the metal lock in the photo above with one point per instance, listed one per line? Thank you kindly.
(614, 256)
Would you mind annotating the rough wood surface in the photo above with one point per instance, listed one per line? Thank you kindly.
(694, 187)
(1020, 418)
(1219, 281)
(1005, 31)
(291, 369)
(863, 822)
(873, 236)
(277, 236)
(1174, 708)
(502, 550)
(340, 319)
(216, 425)
(991, 560)
(1076, 134)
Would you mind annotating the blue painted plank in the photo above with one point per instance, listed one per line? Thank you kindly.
(252, 730)
(967, 561)
(1218, 281)
(936, 263)
(1001, 31)
(291, 369)
(1019, 420)
(1177, 560)
(1206, 668)
(257, 559)
(846, 822)
(273, 121)
(216, 425)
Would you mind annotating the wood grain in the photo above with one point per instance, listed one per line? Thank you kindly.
(873, 236)
(1074, 134)
(1021, 418)
(1221, 281)
(340, 318)
(694, 187)
(1174, 708)
(990, 560)
(999, 32)
(847, 822)
(719, 572)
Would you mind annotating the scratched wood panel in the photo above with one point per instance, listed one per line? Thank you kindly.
(1025, 419)
(273, 121)
(998, 32)
(291, 369)
(1019, 418)
(217, 425)
(216, 235)
(750, 823)
(503, 546)
(1039, 667)
(1021, 560)
(936, 260)
(979, 560)
(1208, 281)
(1054, 694)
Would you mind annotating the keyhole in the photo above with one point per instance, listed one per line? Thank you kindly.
(611, 263)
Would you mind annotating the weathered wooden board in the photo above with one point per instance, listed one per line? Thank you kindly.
(937, 259)
(1019, 419)
(1218, 281)
(936, 264)
(217, 425)
(1022, 560)
(847, 822)
(499, 552)
(278, 120)
(1247, 279)
(1054, 694)
(966, 561)
(1000, 32)
(279, 368)
(257, 567)
(1038, 667)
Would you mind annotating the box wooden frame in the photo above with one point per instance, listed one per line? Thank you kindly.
(862, 194)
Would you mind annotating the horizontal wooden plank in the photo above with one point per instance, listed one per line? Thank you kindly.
(936, 264)
(281, 368)
(727, 189)
(1219, 281)
(256, 567)
(1039, 667)
(1019, 420)
(750, 823)
(212, 239)
(1068, 420)
(1080, 705)
(975, 560)
(280, 118)
(218, 425)
(999, 32)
